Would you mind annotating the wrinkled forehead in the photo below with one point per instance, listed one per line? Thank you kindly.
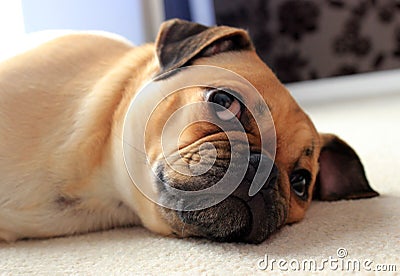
(289, 118)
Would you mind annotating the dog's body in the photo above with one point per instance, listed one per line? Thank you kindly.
(62, 109)
(57, 142)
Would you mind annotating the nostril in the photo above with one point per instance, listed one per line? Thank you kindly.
(254, 161)
(262, 172)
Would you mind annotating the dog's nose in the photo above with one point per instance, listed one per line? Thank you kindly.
(241, 216)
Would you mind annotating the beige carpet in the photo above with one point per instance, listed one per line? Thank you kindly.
(368, 229)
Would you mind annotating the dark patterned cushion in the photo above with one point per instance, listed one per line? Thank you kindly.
(309, 39)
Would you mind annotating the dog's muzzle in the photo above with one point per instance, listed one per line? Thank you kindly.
(239, 217)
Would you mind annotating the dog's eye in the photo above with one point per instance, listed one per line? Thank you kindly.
(299, 180)
(228, 106)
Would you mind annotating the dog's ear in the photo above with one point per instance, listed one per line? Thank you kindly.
(341, 174)
(178, 42)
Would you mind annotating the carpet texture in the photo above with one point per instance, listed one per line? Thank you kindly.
(368, 229)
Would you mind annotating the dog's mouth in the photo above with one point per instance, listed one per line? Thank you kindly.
(237, 218)
(232, 220)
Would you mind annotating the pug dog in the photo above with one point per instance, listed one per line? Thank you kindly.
(63, 106)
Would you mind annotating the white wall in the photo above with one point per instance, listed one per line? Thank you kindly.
(11, 20)
(124, 17)
(202, 11)
(137, 20)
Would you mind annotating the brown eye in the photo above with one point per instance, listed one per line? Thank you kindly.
(300, 180)
(228, 106)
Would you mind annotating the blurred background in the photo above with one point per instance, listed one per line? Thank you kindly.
(299, 39)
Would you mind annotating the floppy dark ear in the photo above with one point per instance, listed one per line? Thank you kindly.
(180, 41)
(341, 174)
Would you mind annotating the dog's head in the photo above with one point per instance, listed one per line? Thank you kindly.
(306, 164)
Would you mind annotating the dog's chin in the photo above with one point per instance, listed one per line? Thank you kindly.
(235, 219)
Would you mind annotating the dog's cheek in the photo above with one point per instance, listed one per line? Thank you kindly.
(296, 210)
(297, 207)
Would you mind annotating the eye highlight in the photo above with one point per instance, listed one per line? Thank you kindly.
(228, 105)
(299, 181)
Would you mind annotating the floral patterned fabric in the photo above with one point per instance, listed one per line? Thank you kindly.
(310, 39)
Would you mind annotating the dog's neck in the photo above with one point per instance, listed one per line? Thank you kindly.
(143, 60)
